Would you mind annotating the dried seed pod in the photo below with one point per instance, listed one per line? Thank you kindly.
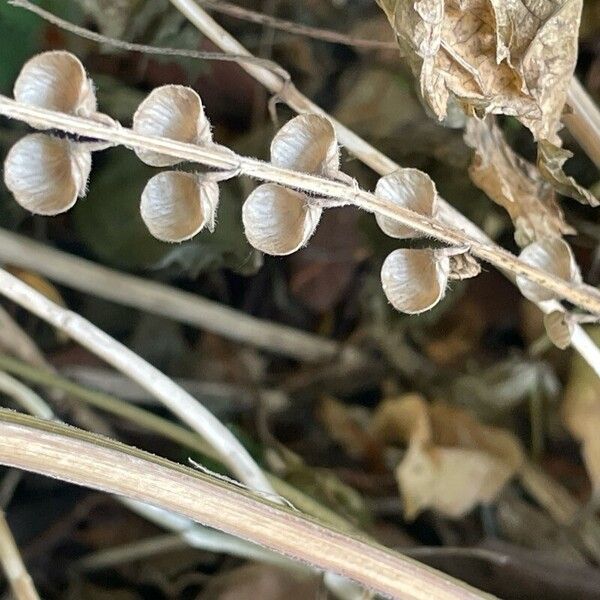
(463, 266)
(411, 189)
(553, 255)
(277, 220)
(415, 280)
(307, 143)
(46, 174)
(56, 81)
(174, 112)
(559, 328)
(175, 205)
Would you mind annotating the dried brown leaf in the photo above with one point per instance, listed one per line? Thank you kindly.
(453, 462)
(513, 57)
(513, 183)
(550, 161)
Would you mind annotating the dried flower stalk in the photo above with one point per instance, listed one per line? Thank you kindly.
(86, 459)
(584, 124)
(223, 159)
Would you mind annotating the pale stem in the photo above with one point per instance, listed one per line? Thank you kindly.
(187, 408)
(85, 459)
(189, 532)
(222, 158)
(560, 505)
(24, 396)
(584, 121)
(16, 573)
(17, 342)
(584, 124)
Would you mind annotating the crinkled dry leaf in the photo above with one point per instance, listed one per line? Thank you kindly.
(513, 57)
(513, 183)
(581, 411)
(453, 462)
(550, 160)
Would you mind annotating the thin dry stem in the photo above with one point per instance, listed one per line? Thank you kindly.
(222, 158)
(163, 300)
(85, 459)
(561, 506)
(14, 340)
(24, 396)
(316, 33)
(146, 49)
(150, 422)
(187, 408)
(16, 573)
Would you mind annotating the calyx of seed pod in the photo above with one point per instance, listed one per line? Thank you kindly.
(174, 112)
(56, 80)
(175, 206)
(47, 174)
(553, 255)
(278, 220)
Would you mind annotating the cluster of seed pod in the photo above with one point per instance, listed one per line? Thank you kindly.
(47, 174)
(415, 280)
(279, 221)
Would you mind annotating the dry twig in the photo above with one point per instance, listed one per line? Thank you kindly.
(188, 409)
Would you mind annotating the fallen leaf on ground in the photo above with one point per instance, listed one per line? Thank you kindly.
(348, 428)
(262, 581)
(453, 462)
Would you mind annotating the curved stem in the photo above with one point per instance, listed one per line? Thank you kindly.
(215, 156)
(175, 398)
(86, 459)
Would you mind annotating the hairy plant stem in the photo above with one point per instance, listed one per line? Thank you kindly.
(222, 158)
(584, 123)
(86, 459)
